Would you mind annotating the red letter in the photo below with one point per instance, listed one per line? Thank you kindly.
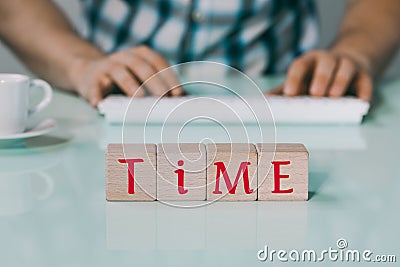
(232, 188)
(131, 173)
(181, 177)
(278, 176)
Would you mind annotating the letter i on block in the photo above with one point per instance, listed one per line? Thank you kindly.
(231, 172)
(283, 175)
(131, 172)
(181, 171)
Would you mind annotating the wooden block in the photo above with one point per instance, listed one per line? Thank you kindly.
(231, 172)
(138, 184)
(181, 171)
(285, 177)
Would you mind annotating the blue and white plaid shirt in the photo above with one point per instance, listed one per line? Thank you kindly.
(254, 36)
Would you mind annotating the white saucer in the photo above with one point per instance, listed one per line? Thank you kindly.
(42, 127)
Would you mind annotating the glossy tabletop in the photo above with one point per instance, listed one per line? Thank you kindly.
(53, 210)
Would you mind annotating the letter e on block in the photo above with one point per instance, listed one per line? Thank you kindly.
(283, 176)
(231, 172)
(131, 172)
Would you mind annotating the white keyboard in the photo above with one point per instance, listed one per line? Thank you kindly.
(230, 109)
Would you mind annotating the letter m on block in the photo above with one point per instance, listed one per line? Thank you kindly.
(243, 169)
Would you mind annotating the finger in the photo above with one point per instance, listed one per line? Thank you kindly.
(145, 73)
(297, 75)
(95, 93)
(91, 90)
(323, 75)
(106, 85)
(364, 86)
(124, 79)
(161, 65)
(105, 82)
(275, 91)
(345, 74)
(139, 92)
(176, 90)
(95, 96)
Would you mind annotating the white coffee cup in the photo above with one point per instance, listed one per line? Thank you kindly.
(14, 101)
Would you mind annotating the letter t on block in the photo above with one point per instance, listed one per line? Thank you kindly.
(131, 172)
(283, 175)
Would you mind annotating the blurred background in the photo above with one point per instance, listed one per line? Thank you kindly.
(330, 13)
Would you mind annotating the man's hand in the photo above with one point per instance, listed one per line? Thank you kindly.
(128, 69)
(325, 73)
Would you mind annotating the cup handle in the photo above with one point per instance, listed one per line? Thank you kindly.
(48, 95)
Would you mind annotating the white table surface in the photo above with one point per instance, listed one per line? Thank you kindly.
(53, 210)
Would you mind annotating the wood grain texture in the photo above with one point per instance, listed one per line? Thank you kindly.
(232, 156)
(192, 158)
(297, 170)
(157, 176)
(144, 172)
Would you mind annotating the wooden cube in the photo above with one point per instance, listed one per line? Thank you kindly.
(282, 172)
(131, 172)
(181, 171)
(231, 172)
